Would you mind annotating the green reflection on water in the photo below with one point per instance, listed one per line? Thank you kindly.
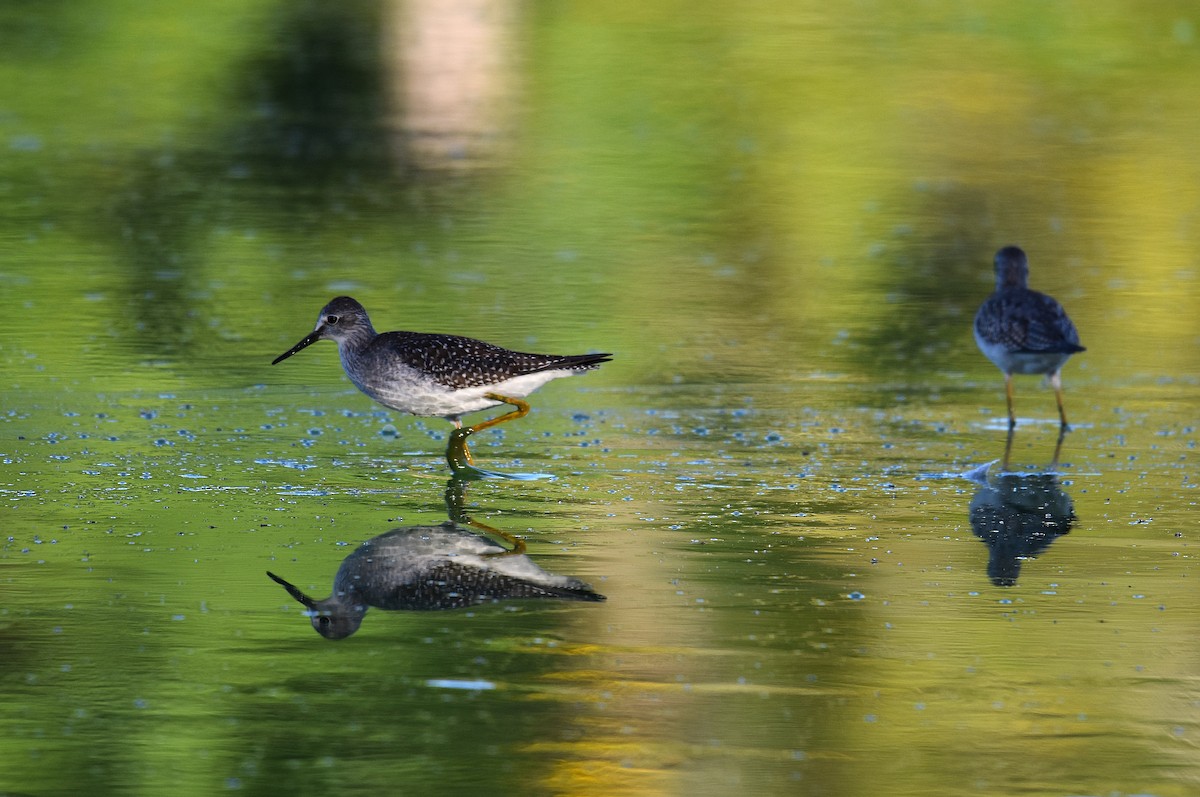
(781, 219)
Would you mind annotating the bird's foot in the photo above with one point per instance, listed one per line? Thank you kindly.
(462, 464)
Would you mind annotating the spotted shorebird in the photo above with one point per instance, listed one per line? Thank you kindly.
(1023, 331)
(435, 375)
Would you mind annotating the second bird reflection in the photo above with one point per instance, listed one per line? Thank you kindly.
(426, 568)
(1018, 515)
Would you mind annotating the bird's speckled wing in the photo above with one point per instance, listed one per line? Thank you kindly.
(1026, 321)
(460, 362)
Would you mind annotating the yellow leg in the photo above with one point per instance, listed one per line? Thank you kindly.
(521, 409)
(1056, 382)
(458, 453)
(1007, 451)
(1008, 393)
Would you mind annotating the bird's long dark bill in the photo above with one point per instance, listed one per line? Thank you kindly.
(293, 591)
(309, 339)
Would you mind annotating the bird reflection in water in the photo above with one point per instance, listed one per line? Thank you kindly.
(423, 568)
(1018, 515)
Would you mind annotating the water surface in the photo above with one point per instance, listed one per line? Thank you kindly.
(780, 221)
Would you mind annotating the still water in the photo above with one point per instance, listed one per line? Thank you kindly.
(786, 484)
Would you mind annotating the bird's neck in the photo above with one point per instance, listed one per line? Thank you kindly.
(355, 341)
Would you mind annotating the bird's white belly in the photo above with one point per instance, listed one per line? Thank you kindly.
(428, 398)
(1021, 362)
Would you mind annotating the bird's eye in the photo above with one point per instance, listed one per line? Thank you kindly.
(331, 319)
(324, 621)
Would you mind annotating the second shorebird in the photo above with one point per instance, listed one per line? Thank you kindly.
(443, 376)
(1023, 331)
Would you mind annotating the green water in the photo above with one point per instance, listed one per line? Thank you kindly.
(779, 219)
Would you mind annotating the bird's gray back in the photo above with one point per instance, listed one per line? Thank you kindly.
(460, 362)
(1026, 321)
